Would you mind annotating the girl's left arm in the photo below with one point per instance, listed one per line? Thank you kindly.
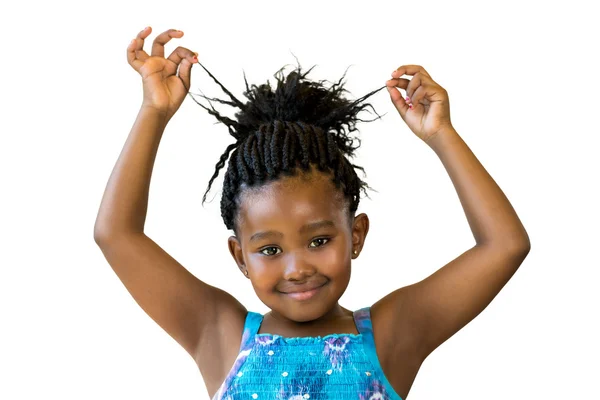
(455, 294)
(492, 219)
(443, 303)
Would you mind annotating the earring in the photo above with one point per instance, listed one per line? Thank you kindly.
(355, 252)
(246, 272)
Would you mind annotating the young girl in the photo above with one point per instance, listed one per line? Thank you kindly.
(290, 195)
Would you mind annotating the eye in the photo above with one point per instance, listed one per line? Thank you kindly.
(319, 239)
(267, 248)
(269, 251)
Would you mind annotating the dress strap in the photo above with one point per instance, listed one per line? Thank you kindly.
(364, 325)
(251, 327)
(362, 319)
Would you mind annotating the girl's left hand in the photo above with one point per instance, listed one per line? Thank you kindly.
(430, 112)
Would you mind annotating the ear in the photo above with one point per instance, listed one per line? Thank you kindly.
(235, 248)
(360, 229)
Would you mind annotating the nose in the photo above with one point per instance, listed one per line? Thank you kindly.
(298, 268)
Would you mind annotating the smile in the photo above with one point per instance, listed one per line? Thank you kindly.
(301, 296)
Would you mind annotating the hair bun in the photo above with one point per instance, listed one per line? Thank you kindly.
(295, 99)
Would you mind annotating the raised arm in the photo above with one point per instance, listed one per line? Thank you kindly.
(459, 291)
(180, 303)
(443, 303)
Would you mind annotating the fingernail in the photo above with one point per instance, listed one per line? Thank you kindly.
(410, 106)
(407, 99)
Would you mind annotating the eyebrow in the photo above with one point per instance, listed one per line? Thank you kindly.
(305, 228)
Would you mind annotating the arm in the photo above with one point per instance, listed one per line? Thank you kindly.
(446, 301)
(181, 304)
(125, 202)
(175, 299)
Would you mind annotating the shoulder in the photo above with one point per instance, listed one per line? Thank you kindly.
(220, 342)
(396, 339)
(393, 319)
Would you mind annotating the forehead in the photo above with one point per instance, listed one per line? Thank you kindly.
(291, 202)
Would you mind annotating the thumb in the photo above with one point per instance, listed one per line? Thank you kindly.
(397, 99)
(185, 68)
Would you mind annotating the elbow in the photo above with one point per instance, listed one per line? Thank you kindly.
(520, 247)
(105, 235)
(99, 237)
(516, 243)
(102, 234)
(525, 245)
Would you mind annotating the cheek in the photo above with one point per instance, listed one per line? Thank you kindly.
(334, 261)
(265, 274)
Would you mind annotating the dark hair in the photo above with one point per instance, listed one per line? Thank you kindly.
(280, 132)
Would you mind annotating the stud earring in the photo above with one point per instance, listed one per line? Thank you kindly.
(355, 252)
(246, 272)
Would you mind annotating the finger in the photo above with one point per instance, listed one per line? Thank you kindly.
(135, 51)
(158, 46)
(397, 98)
(399, 82)
(184, 73)
(181, 53)
(418, 96)
(419, 80)
(413, 85)
(428, 93)
(409, 70)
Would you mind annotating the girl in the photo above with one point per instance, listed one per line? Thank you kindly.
(290, 196)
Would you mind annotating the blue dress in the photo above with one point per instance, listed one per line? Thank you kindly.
(337, 366)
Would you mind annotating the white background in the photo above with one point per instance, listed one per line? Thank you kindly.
(524, 89)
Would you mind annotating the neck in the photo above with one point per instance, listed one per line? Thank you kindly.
(336, 313)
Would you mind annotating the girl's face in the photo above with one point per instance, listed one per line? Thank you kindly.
(294, 235)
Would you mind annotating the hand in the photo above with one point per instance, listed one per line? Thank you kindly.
(430, 112)
(163, 89)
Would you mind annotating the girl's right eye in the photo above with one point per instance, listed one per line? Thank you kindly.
(267, 248)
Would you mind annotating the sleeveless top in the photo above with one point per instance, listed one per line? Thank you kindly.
(335, 366)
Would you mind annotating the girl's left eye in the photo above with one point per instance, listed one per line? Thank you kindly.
(316, 240)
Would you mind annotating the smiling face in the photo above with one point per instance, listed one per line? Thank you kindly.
(295, 235)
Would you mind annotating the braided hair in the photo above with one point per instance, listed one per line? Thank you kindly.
(279, 133)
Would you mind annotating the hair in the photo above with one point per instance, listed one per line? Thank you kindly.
(283, 132)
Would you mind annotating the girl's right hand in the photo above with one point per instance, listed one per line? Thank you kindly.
(164, 89)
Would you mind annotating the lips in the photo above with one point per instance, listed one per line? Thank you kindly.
(302, 294)
(305, 287)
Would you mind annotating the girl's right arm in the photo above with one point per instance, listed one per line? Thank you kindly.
(188, 309)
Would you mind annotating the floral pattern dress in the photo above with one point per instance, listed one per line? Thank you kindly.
(336, 366)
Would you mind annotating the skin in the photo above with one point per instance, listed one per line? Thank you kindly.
(274, 264)
(408, 323)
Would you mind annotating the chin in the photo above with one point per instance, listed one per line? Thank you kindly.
(304, 313)
(304, 310)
